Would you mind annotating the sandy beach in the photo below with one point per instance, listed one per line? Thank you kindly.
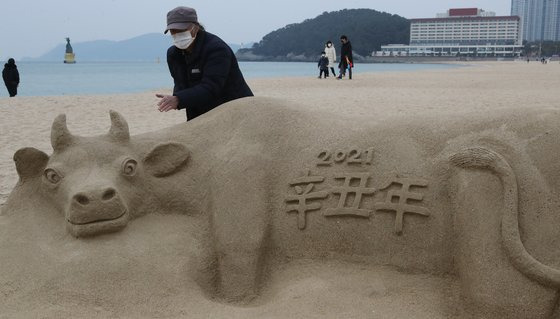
(301, 289)
(26, 121)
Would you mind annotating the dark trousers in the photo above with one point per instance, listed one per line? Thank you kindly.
(12, 89)
(324, 71)
(332, 71)
(343, 72)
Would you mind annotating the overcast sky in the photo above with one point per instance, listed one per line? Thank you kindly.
(29, 28)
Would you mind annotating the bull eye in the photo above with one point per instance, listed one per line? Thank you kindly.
(52, 176)
(129, 167)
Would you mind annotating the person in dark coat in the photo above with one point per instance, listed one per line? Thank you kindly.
(346, 60)
(10, 75)
(204, 68)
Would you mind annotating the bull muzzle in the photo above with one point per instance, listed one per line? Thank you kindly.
(97, 211)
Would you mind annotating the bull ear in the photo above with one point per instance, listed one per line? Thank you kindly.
(166, 159)
(30, 162)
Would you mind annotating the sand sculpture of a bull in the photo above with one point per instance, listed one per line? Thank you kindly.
(269, 181)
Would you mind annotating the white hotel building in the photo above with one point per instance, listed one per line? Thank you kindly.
(461, 32)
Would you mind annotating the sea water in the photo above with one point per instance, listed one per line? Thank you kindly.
(52, 78)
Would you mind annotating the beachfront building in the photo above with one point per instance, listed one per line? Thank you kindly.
(540, 19)
(461, 32)
(552, 20)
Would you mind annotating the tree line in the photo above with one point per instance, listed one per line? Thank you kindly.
(366, 29)
(541, 49)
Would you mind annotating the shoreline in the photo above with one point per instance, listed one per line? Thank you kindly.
(401, 59)
(109, 78)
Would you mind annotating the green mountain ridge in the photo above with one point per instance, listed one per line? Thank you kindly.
(366, 29)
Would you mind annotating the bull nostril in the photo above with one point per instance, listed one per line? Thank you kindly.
(82, 199)
(110, 193)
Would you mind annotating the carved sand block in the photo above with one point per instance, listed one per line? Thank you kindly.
(474, 199)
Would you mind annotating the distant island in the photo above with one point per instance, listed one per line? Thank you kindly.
(366, 29)
(143, 48)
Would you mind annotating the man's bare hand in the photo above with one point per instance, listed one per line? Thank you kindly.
(167, 102)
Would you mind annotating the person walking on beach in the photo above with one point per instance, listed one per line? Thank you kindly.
(203, 67)
(331, 55)
(346, 60)
(323, 65)
(10, 75)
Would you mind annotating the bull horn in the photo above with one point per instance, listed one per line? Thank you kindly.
(60, 135)
(119, 127)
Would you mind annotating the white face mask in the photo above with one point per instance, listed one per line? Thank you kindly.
(329, 45)
(182, 40)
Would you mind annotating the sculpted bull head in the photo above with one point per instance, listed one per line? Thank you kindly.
(98, 183)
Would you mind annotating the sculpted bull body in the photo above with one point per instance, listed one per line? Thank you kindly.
(267, 181)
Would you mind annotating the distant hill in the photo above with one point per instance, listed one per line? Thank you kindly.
(147, 47)
(366, 29)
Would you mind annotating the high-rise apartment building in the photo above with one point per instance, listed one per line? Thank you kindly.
(540, 19)
(552, 20)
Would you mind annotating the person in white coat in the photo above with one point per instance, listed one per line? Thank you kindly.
(330, 52)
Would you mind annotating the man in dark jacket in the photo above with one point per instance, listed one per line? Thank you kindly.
(204, 69)
(10, 75)
(346, 60)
